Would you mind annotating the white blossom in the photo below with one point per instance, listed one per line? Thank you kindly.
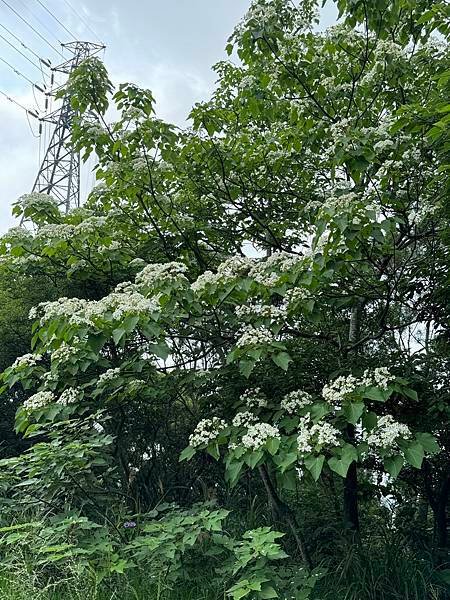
(38, 400)
(26, 360)
(206, 431)
(318, 434)
(335, 391)
(161, 273)
(69, 396)
(244, 419)
(64, 353)
(254, 336)
(266, 311)
(109, 375)
(295, 401)
(386, 432)
(254, 398)
(258, 434)
(38, 201)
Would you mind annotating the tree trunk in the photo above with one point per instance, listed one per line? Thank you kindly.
(282, 512)
(440, 515)
(351, 516)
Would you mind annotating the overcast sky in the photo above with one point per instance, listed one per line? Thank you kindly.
(165, 45)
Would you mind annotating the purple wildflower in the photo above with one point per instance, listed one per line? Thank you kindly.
(129, 524)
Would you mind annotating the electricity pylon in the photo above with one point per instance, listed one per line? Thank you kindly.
(59, 173)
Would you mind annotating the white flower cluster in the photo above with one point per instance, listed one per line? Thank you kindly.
(26, 360)
(109, 375)
(258, 434)
(379, 377)
(235, 266)
(335, 391)
(63, 307)
(49, 378)
(38, 400)
(38, 201)
(254, 398)
(206, 431)
(254, 336)
(205, 280)
(69, 396)
(55, 231)
(318, 434)
(244, 419)
(383, 145)
(90, 225)
(296, 295)
(114, 245)
(295, 401)
(247, 81)
(95, 130)
(266, 311)
(134, 114)
(64, 353)
(161, 273)
(16, 235)
(267, 272)
(119, 304)
(79, 311)
(386, 432)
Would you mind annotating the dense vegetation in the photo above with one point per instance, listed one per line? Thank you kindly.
(238, 378)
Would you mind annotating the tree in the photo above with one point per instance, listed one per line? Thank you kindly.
(276, 274)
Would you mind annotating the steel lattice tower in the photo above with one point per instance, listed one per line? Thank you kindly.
(59, 173)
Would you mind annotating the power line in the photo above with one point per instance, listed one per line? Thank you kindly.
(27, 110)
(17, 72)
(43, 60)
(32, 28)
(85, 23)
(38, 20)
(56, 19)
(21, 53)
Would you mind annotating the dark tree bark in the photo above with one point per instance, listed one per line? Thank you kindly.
(283, 513)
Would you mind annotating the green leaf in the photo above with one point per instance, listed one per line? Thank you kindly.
(282, 360)
(214, 451)
(410, 393)
(187, 453)
(233, 472)
(338, 466)
(353, 411)
(318, 410)
(246, 367)
(369, 420)
(118, 334)
(268, 592)
(428, 442)
(252, 458)
(377, 394)
(414, 454)
(393, 465)
(272, 445)
(314, 464)
(286, 460)
(130, 323)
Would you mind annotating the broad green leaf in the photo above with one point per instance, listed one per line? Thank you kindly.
(282, 360)
(314, 464)
(353, 411)
(393, 465)
(187, 453)
(414, 454)
(428, 443)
